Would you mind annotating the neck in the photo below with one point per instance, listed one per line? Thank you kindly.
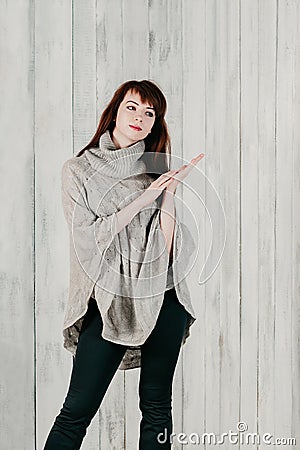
(120, 140)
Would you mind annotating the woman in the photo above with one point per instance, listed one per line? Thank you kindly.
(123, 310)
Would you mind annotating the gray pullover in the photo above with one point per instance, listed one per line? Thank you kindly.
(126, 272)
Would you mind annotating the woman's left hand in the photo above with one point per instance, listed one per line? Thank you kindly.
(182, 172)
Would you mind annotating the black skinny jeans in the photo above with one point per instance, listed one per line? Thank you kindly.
(97, 361)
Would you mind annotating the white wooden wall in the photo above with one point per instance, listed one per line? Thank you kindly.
(230, 70)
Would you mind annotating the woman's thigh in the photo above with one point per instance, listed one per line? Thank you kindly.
(159, 353)
(94, 365)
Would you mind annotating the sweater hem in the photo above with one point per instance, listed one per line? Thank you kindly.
(126, 344)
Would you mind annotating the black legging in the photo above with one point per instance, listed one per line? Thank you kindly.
(96, 363)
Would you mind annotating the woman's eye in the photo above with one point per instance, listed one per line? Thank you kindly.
(148, 112)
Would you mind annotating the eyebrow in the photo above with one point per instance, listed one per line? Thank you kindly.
(147, 107)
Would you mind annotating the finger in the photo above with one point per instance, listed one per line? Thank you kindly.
(166, 175)
(181, 168)
(170, 172)
(184, 167)
(195, 159)
(184, 172)
(198, 157)
(170, 180)
(167, 183)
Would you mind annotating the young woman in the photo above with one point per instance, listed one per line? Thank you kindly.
(129, 305)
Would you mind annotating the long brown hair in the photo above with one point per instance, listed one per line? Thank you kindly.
(158, 141)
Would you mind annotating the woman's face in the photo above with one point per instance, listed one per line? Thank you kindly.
(134, 119)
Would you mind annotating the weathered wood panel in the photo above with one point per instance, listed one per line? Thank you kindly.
(53, 145)
(264, 62)
(286, 327)
(222, 321)
(230, 71)
(194, 142)
(17, 172)
(249, 210)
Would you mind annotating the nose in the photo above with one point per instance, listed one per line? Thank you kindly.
(138, 117)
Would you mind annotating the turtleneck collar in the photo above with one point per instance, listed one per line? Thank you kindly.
(116, 162)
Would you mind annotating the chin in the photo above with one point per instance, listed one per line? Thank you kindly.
(133, 136)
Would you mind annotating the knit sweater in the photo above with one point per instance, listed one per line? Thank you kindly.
(127, 272)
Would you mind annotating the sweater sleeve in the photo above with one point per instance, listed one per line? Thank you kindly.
(90, 235)
(182, 256)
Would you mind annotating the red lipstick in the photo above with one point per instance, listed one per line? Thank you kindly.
(135, 128)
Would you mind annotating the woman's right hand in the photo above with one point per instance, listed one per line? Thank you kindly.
(157, 186)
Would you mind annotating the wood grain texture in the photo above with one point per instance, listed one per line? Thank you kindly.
(230, 71)
(249, 201)
(265, 128)
(53, 144)
(286, 148)
(294, 133)
(17, 381)
(165, 68)
(84, 73)
(222, 296)
(194, 142)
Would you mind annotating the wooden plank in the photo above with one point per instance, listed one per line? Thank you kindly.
(294, 86)
(109, 57)
(266, 103)
(212, 289)
(249, 215)
(53, 144)
(225, 177)
(288, 23)
(17, 321)
(194, 134)
(84, 75)
(135, 40)
(109, 71)
(221, 320)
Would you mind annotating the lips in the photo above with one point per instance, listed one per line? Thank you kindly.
(135, 128)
